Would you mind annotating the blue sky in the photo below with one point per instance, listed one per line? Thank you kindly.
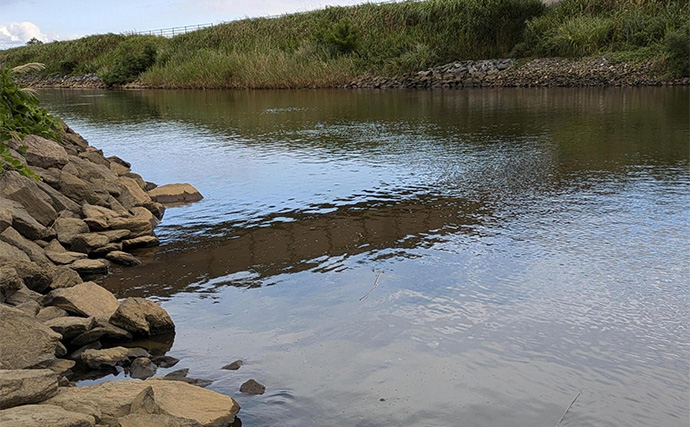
(50, 20)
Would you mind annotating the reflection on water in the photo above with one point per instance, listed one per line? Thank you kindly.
(533, 243)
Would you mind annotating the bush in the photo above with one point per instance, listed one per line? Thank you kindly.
(131, 58)
(341, 38)
(677, 46)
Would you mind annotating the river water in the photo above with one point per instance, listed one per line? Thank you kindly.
(446, 258)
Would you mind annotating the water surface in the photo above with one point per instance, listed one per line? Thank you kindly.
(529, 244)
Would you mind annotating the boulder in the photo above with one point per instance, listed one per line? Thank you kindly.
(165, 361)
(175, 193)
(30, 308)
(105, 250)
(104, 332)
(61, 367)
(94, 156)
(65, 278)
(42, 416)
(64, 258)
(115, 235)
(77, 354)
(157, 209)
(58, 200)
(10, 282)
(137, 225)
(140, 242)
(77, 189)
(114, 400)
(68, 228)
(23, 295)
(35, 252)
(119, 161)
(49, 313)
(90, 267)
(23, 222)
(118, 169)
(142, 368)
(233, 366)
(132, 194)
(26, 342)
(110, 357)
(26, 192)
(35, 277)
(5, 218)
(123, 258)
(70, 326)
(85, 299)
(252, 387)
(142, 317)
(42, 152)
(155, 420)
(22, 386)
(87, 242)
(11, 253)
(138, 179)
(54, 246)
(145, 402)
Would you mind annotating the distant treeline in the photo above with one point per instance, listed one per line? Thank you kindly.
(332, 46)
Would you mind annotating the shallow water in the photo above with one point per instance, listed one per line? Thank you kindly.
(529, 245)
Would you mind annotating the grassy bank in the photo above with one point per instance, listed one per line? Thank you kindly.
(332, 46)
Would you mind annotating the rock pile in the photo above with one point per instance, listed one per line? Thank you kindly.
(57, 233)
(87, 81)
(541, 72)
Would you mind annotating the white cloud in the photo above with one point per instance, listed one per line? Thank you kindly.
(18, 34)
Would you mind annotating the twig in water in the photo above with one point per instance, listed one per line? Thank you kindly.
(376, 284)
(568, 409)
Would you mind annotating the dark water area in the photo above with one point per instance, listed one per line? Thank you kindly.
(529, 244)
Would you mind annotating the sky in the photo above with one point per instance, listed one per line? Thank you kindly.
(48, 20)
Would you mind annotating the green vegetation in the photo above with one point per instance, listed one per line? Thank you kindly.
(20, 115)
(332, 46)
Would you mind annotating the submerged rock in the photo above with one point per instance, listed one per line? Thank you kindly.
(165, 361)
(252, 387)
(123, 258)
(175, 193)
(22, 386)
(142, 368)
(90, 267)
(233, 366)
(110, 357)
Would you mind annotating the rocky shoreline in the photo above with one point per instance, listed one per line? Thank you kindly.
(57, 233)
(490, 73)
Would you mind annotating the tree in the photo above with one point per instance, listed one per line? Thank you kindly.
(34, 41)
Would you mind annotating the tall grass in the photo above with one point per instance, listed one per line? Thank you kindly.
(331, 46)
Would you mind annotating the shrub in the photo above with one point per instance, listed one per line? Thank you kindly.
(342, 37)
(677, 46)
(131, 58)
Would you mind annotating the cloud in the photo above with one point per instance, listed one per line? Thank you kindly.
(18, 34)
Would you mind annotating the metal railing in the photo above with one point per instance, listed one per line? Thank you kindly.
(172, 31)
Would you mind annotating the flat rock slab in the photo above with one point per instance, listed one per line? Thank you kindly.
(123, 258)
(44, 416)
(114, 400)
(85, 299)
(142, 317)
(140, 242)
(24, 341)
(175, 193)
(65, 257)
(70, 326)
(22, 386)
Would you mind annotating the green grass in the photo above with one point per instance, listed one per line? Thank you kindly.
(330, 47)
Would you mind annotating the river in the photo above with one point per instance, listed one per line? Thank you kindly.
(430, 258)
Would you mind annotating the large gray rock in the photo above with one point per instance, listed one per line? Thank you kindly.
(137, 225)
(23, 222)
(142, 368)
(22, 386)
(65, 278)
(24, 191)
(5, 218)
(59, 201)
(35, 252)
(42, 152)
(175, 193)
(42, 416)
(252, 387)
(66, 257)
(106, 332)
(155, 420)
(30, 308)
(68, 228)
(23, 295)
(24, 341)
(49, 313)
(142, 317)
(10, 282)
(114, 400)
(70, 326)
(85, 299)
(110, 357)
(140, 242)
